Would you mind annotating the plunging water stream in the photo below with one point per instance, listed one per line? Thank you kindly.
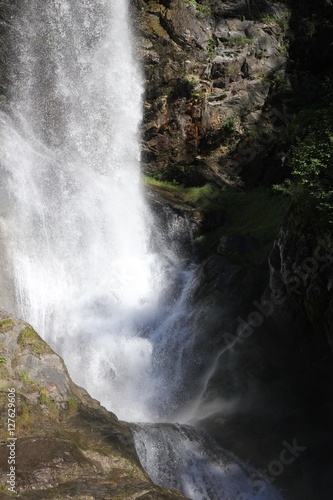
(84, 262)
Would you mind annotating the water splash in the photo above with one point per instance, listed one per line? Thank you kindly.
(186, 459)
(74, 219)
(81, 258)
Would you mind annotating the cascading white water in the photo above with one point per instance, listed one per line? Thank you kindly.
(74, 218)
(182, 458)
(76, 232)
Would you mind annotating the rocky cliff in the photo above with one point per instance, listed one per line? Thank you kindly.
(213, 71)
(224, 79)
(228, 87)
(61, 442)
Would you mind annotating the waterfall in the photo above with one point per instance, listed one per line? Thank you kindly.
(83, 258)
(74, 221)
(182, 458)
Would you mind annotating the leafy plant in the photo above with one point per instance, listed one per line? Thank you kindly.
(268, 19)
(6, 325)
(25, 377)
(311, 161)
(28, 337)
(3, 368)
(25, 419)
(212, 45)
(48, 404)
(72, 405)
(202, 9)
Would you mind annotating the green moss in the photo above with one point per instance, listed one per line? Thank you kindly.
(311, 160)
(212, 44)
(29, 338)
(25, 418)
(232, 69)
(43, 396)
(202, 9)
(3, 368)
(48, 404)
(72, 405)
(4, 490)
(257, 213)
(282, 21)
(25, 377)
(268, 19)
(6, 325)
(38, 347)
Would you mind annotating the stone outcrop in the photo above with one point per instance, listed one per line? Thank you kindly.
(67, 445)
(302, 267)
(212, 70)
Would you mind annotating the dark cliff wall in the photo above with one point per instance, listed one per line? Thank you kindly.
(212, 69)
(232, 94)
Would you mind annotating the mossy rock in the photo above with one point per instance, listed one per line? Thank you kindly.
(6, 325)
(29, 338)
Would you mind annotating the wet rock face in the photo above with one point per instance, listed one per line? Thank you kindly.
(211, 71)
(302, 268)
(67, 444)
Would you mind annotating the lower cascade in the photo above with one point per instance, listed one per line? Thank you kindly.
(180, 457)
(84, 259)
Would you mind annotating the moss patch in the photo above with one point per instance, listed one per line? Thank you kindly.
(29, 338)
(6, 325)
(25, 418)
(72, 405)
(25, 377)
(257, 213)
(48, 404)
(3, 367)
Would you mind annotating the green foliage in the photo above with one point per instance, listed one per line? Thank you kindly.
(49, 405)
(72, 405)
(28, 337)
(192, 79)
(281, 82)
(6, 325)
(3, 368)
(212, 45)
(282, 21)
(25, 377)
(202, 8)
(232, 69)
(230, 125)
(309, 26)
(43, 397)
(311, 161)
(25, 418)
(257, 213)
(268, 19)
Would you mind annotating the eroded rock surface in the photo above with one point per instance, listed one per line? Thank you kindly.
(67, 444)
(212, 69)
